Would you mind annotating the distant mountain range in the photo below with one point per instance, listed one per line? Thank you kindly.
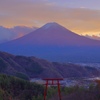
(56, 43)
(8, 34)
(31, 67)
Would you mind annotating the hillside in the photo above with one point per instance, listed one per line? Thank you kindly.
(12, 88)
(31, 67)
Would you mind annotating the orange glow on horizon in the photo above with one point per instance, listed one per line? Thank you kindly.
(28, 13)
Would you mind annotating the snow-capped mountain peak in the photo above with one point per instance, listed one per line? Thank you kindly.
(51, 25)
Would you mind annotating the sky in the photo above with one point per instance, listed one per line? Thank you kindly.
(80, 16)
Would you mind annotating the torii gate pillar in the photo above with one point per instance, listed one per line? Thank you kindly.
(52, 83)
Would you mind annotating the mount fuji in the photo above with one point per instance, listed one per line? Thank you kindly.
(56, 43)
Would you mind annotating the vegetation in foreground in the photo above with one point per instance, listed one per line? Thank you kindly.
(13, 88)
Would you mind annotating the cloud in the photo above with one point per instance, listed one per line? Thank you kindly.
(93, 37)
(39, 12)
(22, 30)
(7, 34)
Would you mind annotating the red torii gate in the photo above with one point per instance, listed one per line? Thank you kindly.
(52, 83)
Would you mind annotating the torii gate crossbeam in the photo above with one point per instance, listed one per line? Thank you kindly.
(52, 83)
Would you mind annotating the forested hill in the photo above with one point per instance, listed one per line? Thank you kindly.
(32, 67)
(12, 88)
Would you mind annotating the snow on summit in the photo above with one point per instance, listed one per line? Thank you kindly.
(51, 25)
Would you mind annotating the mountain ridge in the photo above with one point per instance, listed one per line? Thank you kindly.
(32, 67)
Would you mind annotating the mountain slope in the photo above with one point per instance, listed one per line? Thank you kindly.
(55, 43)
(55, 34)
(31, 67)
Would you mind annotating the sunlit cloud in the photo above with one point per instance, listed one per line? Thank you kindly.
(81, 20)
